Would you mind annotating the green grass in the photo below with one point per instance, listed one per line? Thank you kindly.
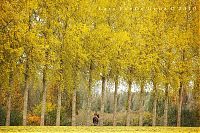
(104, 129)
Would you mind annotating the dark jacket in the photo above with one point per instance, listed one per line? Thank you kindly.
(95, 120)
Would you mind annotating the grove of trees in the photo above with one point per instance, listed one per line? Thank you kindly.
(134, 62)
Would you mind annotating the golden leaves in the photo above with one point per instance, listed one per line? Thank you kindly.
(77, 32)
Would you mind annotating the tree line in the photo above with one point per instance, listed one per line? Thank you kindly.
(62, 45)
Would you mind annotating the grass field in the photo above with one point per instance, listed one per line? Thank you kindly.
(105, 129)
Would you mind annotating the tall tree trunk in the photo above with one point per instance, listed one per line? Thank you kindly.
(9, 99)
(74, 107)
(25, 93)
(154, 104)
(102, 99)
(115, 101)
(166, 105)
(141, 105)
(8, 110)
(128, 104)
(44, 82)
(60, 85)
(43, 110)
(180, 100)
(26, 78)
(58, 106)
(89, 96)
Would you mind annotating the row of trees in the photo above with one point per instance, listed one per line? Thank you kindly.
(64, 44)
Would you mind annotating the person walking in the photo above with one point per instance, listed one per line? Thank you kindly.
(95, 119)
